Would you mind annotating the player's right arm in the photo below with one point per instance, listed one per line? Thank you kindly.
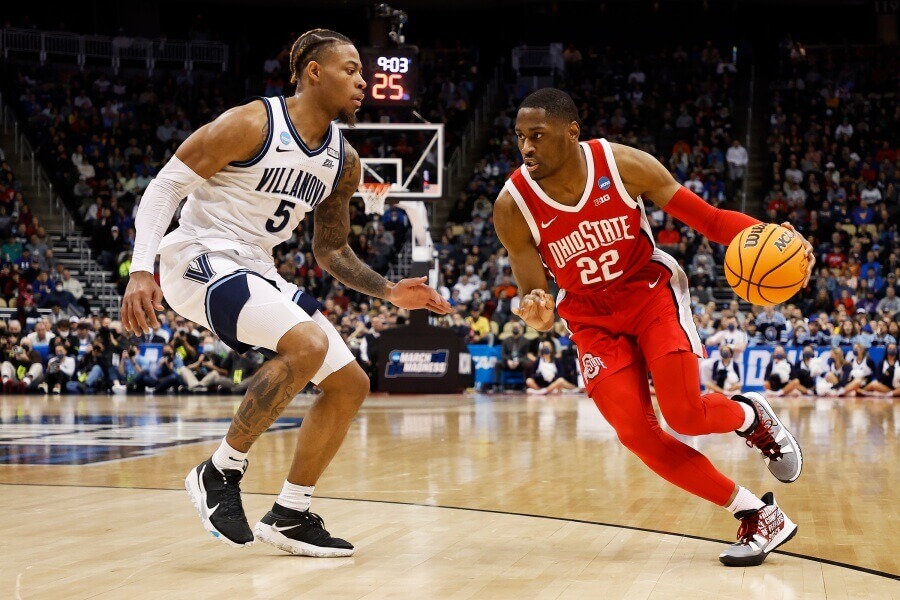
(237, 135)
(537, 305)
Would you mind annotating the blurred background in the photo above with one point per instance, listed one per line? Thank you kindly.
(754, 105)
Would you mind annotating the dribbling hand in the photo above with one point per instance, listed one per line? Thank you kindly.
(536, 309)
(142, 299)
(808, 249)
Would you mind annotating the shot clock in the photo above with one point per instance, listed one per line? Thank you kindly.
(392, 75)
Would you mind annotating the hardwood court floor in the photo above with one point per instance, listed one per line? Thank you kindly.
(443, 496)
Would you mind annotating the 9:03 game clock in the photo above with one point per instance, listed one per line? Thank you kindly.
(392, 76)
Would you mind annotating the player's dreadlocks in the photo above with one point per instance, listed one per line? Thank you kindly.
(310, 46)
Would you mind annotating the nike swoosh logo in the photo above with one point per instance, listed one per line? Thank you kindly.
(653, 285)
(547, 224)
(209, 511)
(280, 149)
(277, 528)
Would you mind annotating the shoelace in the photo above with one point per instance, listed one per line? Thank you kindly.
(315, 520)
(231, 500)
(763, 439)
(749, 527)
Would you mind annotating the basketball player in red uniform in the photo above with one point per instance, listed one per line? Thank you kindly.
(576, 209)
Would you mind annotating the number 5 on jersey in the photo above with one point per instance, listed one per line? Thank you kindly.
(283, 213)
(589, 267)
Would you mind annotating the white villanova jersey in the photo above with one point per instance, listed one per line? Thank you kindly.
(255, 205)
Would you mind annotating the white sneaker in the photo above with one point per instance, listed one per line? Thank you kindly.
(772, 439)
(118, 388)
(43, 388)
(761, 531)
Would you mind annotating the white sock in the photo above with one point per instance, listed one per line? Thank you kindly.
(749, 417)
(295, 497)
(226, 457)
(745, 500)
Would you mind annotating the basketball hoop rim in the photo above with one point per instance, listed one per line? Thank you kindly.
(374, 195)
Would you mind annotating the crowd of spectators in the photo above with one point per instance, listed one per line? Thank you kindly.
(91, 354)
(103, 139)
(31, 277)
(675, 104)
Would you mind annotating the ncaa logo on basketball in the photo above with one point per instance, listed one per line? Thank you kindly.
(591, 365)
(603, 183)
(285, 138)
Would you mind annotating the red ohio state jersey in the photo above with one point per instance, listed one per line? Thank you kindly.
(600, 241)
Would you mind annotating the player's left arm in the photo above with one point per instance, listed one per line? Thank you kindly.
(644, 176)
(333, 253)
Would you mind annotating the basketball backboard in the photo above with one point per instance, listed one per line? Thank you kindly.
(408, 155)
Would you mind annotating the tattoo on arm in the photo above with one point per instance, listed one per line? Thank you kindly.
(262, 141)
(332, 226)
(271, 390)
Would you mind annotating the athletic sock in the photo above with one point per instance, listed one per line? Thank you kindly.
(295, 497)
(745, 500)
(749, 417)
(226, 457)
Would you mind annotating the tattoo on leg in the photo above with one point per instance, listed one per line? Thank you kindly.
(271, 390)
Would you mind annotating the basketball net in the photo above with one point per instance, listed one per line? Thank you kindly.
(374, 194)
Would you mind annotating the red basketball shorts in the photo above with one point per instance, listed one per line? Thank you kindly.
(640, 319)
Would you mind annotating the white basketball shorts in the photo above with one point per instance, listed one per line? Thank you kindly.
(243, 300)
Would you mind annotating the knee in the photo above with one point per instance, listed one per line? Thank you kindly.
(354, 388)
(308, 348)
(684, 423)
(637, 438)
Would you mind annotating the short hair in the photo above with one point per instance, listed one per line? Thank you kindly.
(555, 102)
(311, 46)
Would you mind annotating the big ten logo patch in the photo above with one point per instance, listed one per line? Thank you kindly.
(591, 365)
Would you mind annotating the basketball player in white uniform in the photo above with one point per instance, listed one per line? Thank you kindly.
(250, 177)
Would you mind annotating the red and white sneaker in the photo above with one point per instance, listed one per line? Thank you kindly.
(760, 532)
(772, 439)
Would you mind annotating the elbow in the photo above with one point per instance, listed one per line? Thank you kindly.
(323, 254)
(322, 258)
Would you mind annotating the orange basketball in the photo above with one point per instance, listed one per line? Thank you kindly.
(765, 264)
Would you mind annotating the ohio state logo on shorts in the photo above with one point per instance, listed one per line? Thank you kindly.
(591, 365)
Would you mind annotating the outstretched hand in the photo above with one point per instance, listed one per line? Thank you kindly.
(142, 299)
(808, 249)
(413, 294)
(536, 309)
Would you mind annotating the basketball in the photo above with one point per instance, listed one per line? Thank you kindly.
(765, 264)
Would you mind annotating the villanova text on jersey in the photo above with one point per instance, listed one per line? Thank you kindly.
(303, 185)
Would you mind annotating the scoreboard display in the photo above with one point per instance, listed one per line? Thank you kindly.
(392, 76)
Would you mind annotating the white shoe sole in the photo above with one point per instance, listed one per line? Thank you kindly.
(192, 485)
(762, 400)
(268, 534)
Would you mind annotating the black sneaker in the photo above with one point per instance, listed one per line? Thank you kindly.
(300, 533)
(217, 497)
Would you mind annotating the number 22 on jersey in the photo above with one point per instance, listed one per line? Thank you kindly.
(604, 264)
